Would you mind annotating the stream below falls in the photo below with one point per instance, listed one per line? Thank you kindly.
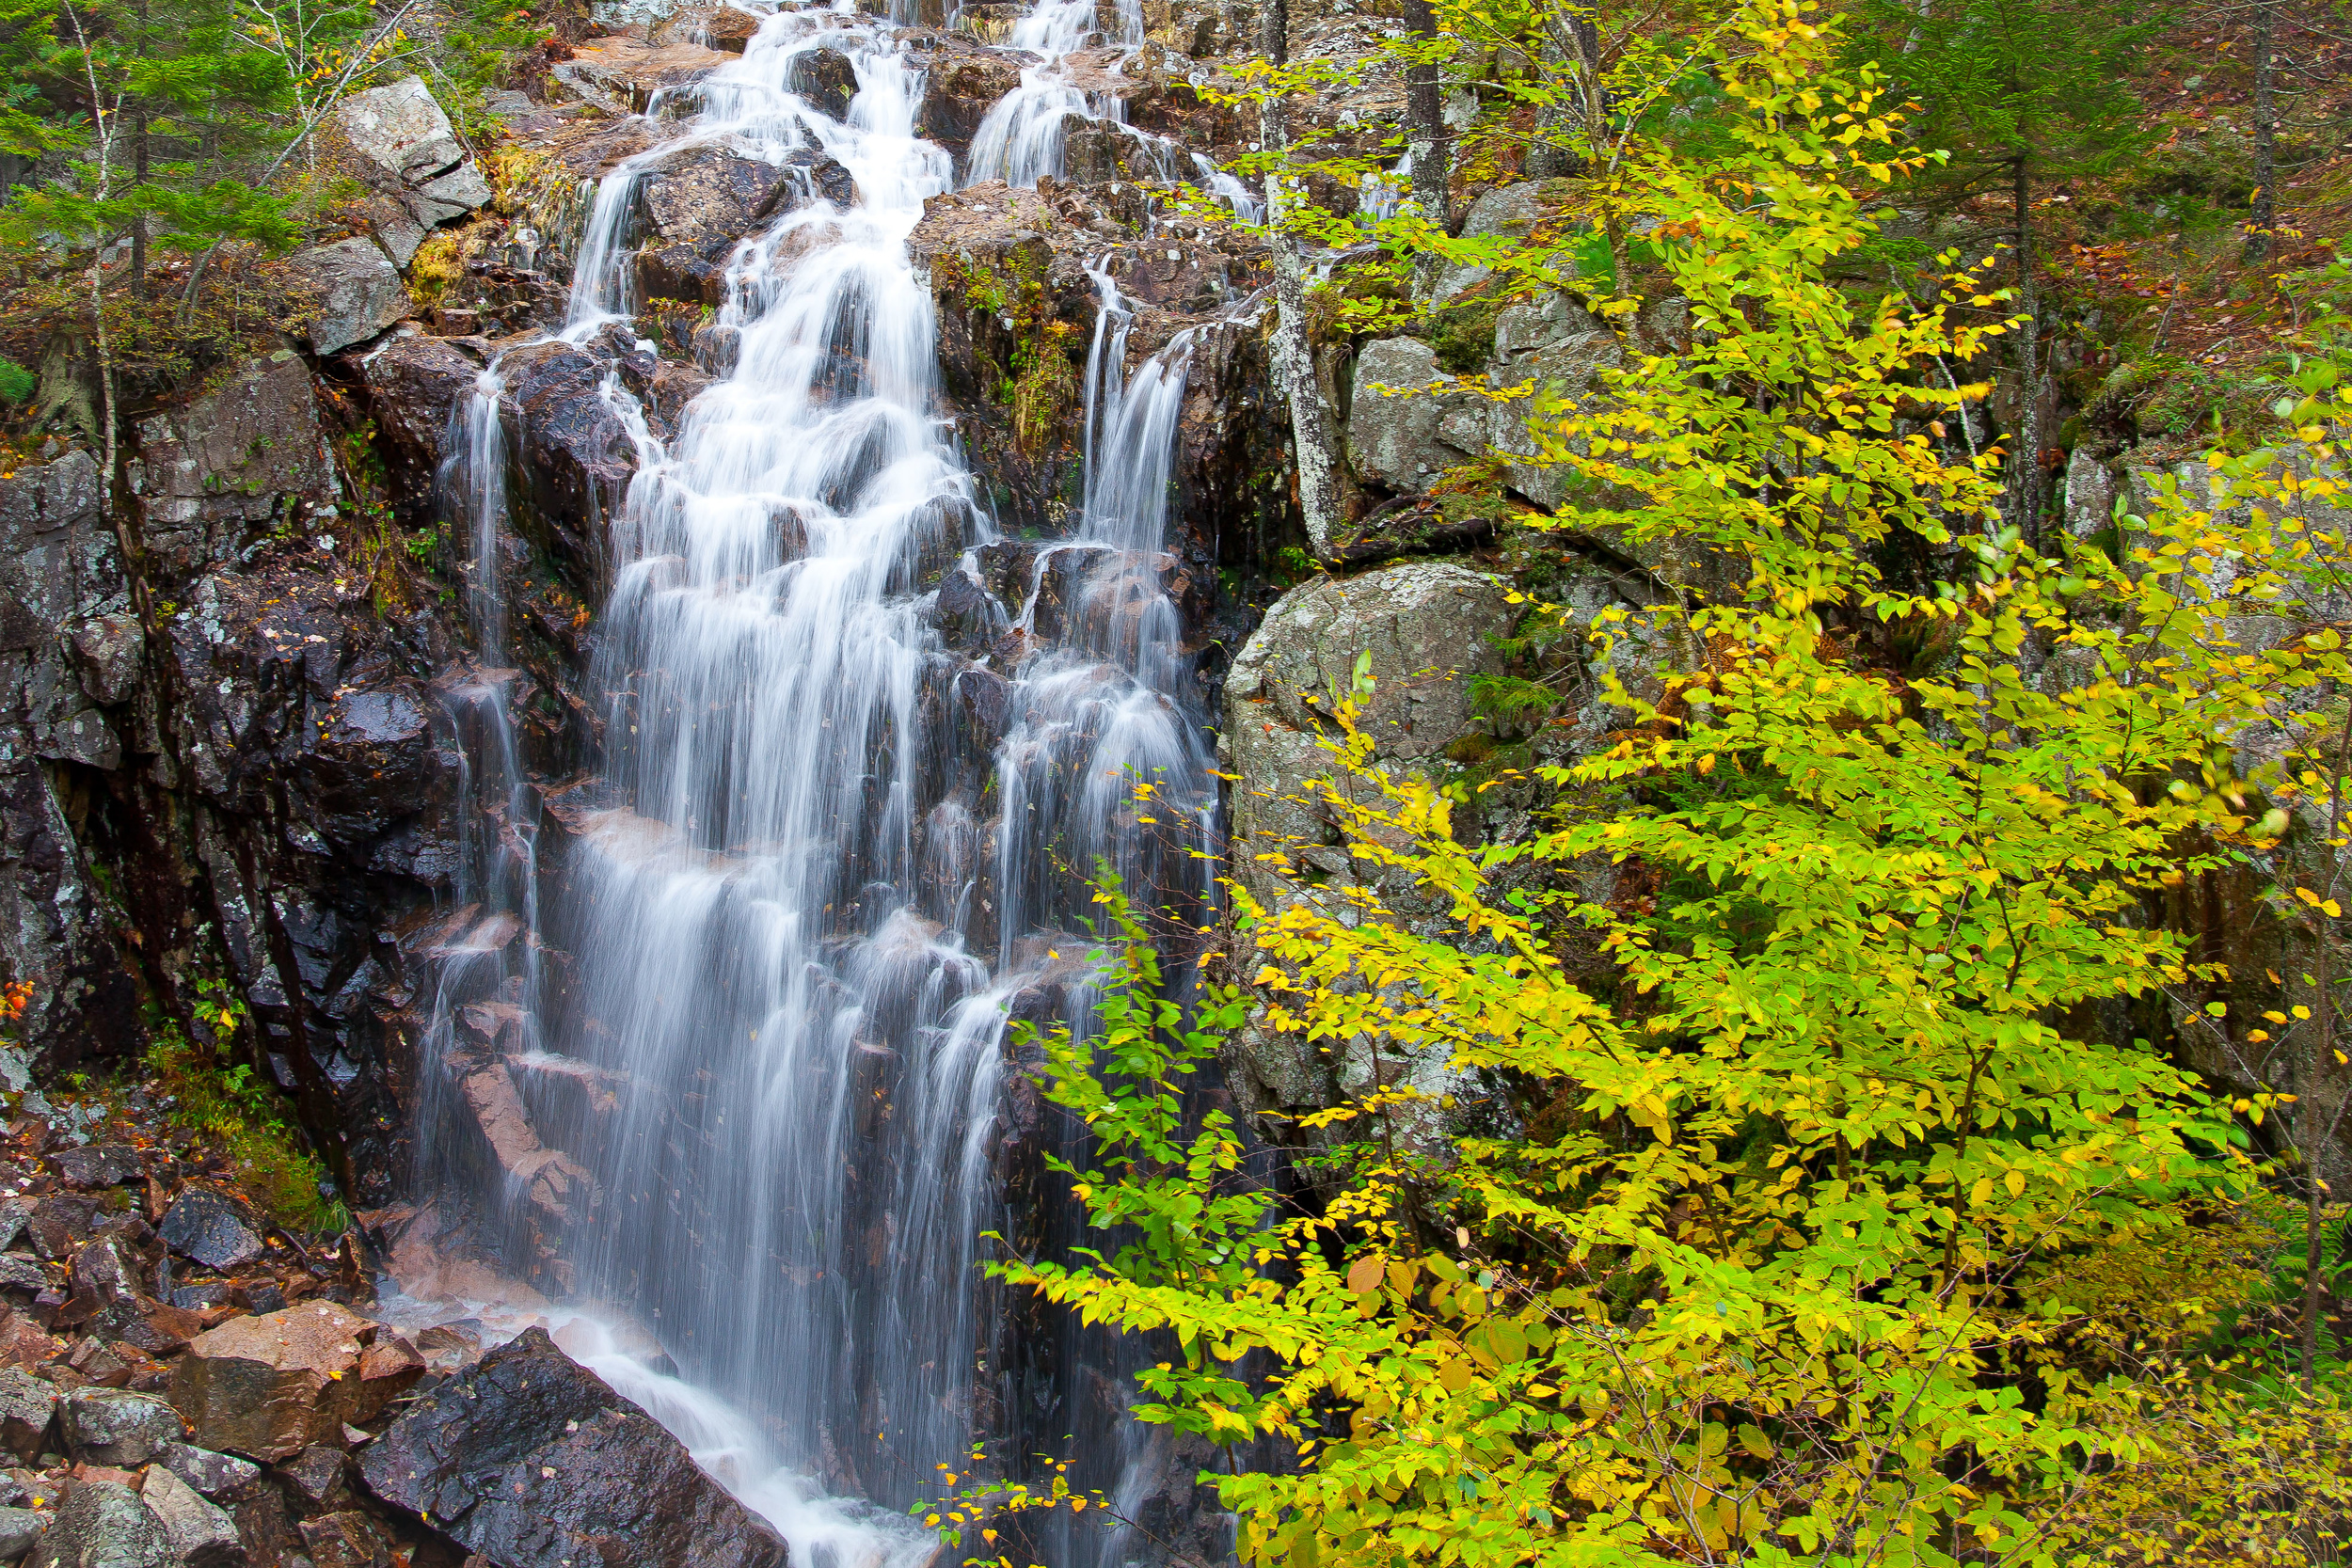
(804, 893)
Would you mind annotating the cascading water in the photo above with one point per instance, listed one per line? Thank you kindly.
(793, 956)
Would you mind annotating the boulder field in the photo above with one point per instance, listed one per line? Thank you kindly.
(185, 1383)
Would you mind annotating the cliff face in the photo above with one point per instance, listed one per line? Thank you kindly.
(222, 748)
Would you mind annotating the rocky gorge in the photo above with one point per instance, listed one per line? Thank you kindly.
(619, 722)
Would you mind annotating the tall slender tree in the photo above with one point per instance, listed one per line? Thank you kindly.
(2021, 94)
(1314, 429)
(1425, 134)
(2261, 217)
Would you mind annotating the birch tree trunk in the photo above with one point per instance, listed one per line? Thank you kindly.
(1314, 432)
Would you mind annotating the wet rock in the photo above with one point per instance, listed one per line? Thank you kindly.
(700, 202)
(60, 1223)
(577, 455)
(28, 1405)
(620, 74)
(266, 1529)
(345, 1540)
(236, 463)
(208, 1226)
(729, 30)
(961, 84)
(158, 1328)
(827, 79)
(359, 293)
(556, 1184)
(60, 569)
(316, 1472)
(531, 1460)
(413, 383)
(20, 1531)
(97, 1165)
(102, 1523)
(109, 1426)
(967, 617)
(270, 1385)
(224, 1478)
(200, 1534)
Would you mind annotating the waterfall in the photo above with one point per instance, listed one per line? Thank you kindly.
(792, 956)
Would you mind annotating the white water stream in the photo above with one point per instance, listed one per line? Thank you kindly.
(792, 950)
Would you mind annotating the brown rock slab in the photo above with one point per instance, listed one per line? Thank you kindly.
(27, 1407)
(269, 1386)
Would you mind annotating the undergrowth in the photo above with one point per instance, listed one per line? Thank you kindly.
(249, 1121)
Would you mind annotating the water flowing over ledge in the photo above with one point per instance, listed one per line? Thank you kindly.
(805, 893)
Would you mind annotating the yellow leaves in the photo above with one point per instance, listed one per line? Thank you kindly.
(2326, 906)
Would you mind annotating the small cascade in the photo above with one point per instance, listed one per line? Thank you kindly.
(486, 956)
(1022, 137)
(1106, 709)
(1025, 136)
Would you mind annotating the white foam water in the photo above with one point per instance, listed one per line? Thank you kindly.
(792, 953)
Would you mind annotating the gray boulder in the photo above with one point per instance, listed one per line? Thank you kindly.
(202, 1535)
(1403, 431)
(360, 292)
(222, 1477)
(102, 1524)
(1509, 212)
(205, 1225)
(401, 131)
(20, 1531)
(1553, 347)
(115, 1426)
(411, 154)
(1426, 624)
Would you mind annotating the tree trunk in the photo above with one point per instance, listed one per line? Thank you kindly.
(2263, 218)
(2314, 1297)
(1552, 151)
(1315, 433)
(2025, 487)
(138, 220)
(1426, 136)
(2313, 1138)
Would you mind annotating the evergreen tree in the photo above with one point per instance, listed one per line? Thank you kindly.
(2019, 93)
(166, 104)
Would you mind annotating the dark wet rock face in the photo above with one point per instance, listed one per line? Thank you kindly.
(827, 79)
(576, 454)
(699, 202)
(208, 1227)
(69, 642)
(413, 383)
(533, 1462)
